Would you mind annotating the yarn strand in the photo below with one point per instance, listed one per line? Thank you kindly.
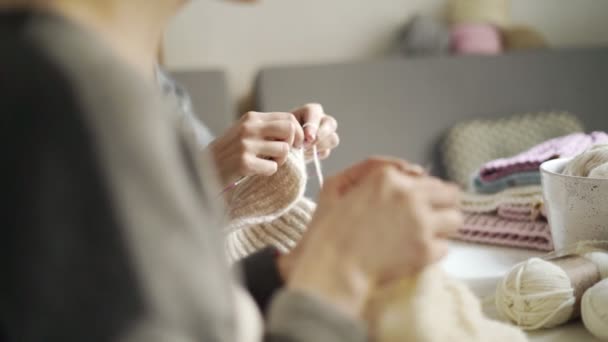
(317, 163)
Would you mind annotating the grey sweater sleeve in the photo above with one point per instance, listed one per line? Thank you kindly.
(126, 245)
(298, 317)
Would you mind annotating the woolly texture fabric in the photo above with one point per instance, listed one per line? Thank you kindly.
(269, 211)
(433, 307)
(424, 36)
(283, 233)
(522, 37)
(517, 179)
(261, 199)
(495, 12)
(475, 39)
(521, 212)
(470, 144)
(592, 163)
(530, 160)
(494, 230)
(521, 203)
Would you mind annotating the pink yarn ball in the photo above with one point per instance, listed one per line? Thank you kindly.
(481, 39)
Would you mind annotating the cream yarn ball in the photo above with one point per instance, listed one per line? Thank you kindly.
(594, 310)
(600, 259)
(539, 294)
(592, 163)
(536, 294)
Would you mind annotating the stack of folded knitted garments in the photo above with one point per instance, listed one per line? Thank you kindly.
(512, 217)
(506, 205)
(523, 169)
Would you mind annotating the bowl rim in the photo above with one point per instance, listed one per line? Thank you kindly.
(564, 160)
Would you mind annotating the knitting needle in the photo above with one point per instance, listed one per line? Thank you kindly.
(234, 184)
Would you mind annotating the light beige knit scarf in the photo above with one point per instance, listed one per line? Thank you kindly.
(269, 211)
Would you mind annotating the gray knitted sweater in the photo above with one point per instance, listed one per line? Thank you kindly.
(111, 223)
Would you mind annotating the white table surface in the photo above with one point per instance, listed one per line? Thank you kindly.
(482, 266)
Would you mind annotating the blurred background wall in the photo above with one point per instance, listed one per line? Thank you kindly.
(241, 38)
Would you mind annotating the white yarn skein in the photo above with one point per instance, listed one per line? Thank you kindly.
(594, 310)
(600, 259)
(536, 294)
(539, 294)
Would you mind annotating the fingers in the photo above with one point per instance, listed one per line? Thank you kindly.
(275, 125)
(445, 223)
(282, 130)
(324, 154)
(327, 127)
(344, 181)
(252, 165)
(274, 150)
(325, 145)
(439, 193)
(310, 117)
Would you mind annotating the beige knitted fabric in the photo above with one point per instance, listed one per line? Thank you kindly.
(495, 12)
(269, 211)
(283, 233)
(468, 145)
(480, 203)
(262, 199)
(433, 307)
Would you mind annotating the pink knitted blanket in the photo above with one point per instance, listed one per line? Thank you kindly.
(495, 230)
(530, 160)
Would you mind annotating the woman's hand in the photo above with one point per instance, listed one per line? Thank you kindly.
(256, 145)
(376, 222)
(319, 130)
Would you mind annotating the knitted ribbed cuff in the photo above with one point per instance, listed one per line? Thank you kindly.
(262, 199)
(283, 233)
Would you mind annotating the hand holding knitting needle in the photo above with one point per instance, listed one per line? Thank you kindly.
(319, 130)
(376, 222)
(258, 143)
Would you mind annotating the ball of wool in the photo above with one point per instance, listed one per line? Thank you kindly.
(594, 310)
(536, 294)
(522, 37)
(425, 36)
(592, 163)
(476, 39)
(539, 294)
(495, 12)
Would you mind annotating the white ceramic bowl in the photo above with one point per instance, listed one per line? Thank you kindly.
(577, 207)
